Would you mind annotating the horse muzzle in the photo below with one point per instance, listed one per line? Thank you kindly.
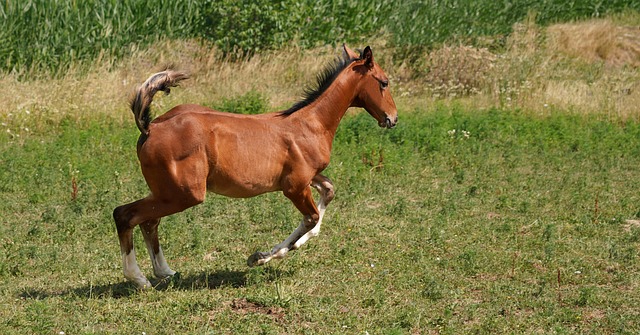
(388, 123)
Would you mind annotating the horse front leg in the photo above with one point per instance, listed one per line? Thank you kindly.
(324, 186)
(310, 225)
(303, 200)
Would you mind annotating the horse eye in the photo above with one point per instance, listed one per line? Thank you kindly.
(384, 84)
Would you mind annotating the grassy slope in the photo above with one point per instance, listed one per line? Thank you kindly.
(520, 227)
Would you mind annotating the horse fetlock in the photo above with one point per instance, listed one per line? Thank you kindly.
(280, 253)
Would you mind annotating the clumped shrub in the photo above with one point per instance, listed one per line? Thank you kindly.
(458, 70)
(244, 27)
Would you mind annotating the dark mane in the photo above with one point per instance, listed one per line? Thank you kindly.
(324, 79)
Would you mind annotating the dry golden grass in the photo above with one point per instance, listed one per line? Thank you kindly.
(104, 89)
(584, 67)
(597, 41)
(588, 67)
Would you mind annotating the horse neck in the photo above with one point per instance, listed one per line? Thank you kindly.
(328, 110)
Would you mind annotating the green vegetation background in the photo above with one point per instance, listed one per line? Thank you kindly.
(53, 34)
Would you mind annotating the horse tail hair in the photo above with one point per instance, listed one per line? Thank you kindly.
(143, 96)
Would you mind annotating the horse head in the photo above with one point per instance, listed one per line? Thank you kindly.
(373, 92)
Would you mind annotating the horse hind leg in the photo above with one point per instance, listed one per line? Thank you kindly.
(149, 230)
(123, 216)
(147, 212)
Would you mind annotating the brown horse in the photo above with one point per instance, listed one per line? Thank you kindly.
(192, 149)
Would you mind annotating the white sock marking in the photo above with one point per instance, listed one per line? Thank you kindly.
(132, 271)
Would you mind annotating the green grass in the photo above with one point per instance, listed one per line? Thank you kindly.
(517, 228)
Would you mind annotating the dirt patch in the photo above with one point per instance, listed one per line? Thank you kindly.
(242, 306)
(629, 224)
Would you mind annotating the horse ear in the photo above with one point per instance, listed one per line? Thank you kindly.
(348, 54)
(367, 55)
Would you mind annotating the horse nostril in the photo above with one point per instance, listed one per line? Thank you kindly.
(389, 123)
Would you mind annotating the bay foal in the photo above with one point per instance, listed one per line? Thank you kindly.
(192, 149)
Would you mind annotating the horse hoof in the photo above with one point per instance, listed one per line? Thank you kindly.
(166, 274)
(258, 258)
(170, 278)
(144, 286)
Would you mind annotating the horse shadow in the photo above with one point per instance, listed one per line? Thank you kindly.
(191, 282)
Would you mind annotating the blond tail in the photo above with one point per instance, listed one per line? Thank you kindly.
(141, 100)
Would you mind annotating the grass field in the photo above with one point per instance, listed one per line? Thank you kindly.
(504, 202)
(519, 226)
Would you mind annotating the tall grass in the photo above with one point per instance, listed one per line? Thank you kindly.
(425, 23)
(51, 36)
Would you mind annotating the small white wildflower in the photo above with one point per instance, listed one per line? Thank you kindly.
(61, 333)
(546, 105)
(451, 132)
(372, 265)
(578, 272)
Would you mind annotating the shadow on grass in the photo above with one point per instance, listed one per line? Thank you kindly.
(203, 280)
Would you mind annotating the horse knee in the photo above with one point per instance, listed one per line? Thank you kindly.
(330, 194)
(325, 187)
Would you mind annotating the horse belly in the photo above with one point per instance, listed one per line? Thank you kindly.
(243, 179)
(246, 157)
